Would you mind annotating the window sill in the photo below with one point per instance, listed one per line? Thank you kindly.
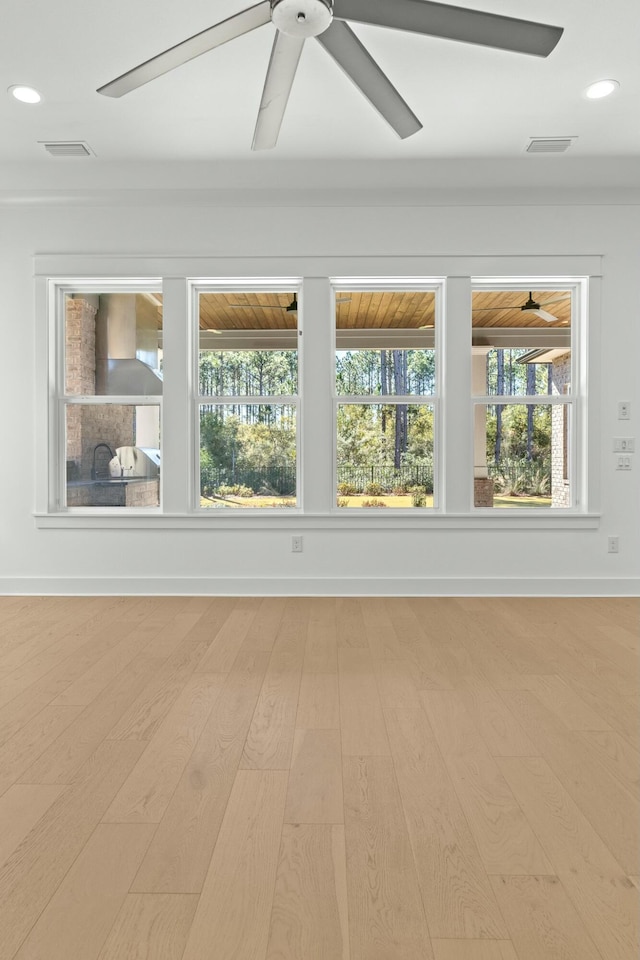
(502, 520)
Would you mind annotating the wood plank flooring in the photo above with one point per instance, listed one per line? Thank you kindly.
(319, 779)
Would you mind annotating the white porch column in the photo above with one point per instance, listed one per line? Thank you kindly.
(479, 389)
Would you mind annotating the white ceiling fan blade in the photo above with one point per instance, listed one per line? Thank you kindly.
(285, 56)
(358, 64)
(202, 42)
(453, 23)
(549, 317)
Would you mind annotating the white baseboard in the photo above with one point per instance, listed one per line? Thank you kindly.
(323, 586)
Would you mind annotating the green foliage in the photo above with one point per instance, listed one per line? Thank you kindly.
(250, 445)
(418, 496)
(514, 374)
(400, 490)
(373, 503)
(514, 478)
(254, 444)
(343, 501)
(236, 490)
(247, 373)
(514, 432)
(347, 489)
(375, 489)
(380, 372)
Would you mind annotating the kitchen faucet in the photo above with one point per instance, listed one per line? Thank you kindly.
(95, 450)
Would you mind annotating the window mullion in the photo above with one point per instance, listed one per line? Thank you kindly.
(176, 478)
(317, 375)
(457, 422)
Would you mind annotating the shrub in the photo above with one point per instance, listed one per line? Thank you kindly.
(374, 489)
(373, 503)
(418, 496)
(237, 490)
(343, 501)
(347, 489)
(400, 490)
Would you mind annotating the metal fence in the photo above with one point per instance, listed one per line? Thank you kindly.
(387, 477)
(281, 481)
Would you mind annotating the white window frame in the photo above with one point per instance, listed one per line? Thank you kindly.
(578, 287)
(435, 285)
(316, 402)
(240, 286)
(58, 290)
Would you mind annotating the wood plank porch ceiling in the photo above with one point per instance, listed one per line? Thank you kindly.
(378, 310)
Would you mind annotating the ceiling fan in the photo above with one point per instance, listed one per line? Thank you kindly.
(290, 307)
(296, 20)
(531, 306)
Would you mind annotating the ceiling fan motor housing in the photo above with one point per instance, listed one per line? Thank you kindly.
(530, 304)
(301, 18)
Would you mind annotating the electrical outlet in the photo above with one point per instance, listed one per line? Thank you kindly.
(624, 410)
(624, 444)
(613, 545)
(623, 462)
(296, 544)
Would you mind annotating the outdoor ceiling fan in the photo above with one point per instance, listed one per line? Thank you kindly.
(531, 306)
(296, 20)
(290, 307)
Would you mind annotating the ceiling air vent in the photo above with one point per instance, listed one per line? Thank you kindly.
(66, 148)
(549, 144)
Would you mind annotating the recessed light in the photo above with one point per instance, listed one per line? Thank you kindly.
(602, 88)
(24, 94)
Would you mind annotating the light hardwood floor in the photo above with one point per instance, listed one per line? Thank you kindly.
(319, 779)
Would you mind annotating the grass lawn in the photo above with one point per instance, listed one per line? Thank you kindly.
(246, 502)
(499, 501)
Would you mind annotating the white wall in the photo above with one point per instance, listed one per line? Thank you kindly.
(335, 560)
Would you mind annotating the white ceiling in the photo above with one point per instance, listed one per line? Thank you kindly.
(474, 102)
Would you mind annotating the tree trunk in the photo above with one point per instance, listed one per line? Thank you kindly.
(500, 392)
(400, 384)
(531, 389)
(384, 387)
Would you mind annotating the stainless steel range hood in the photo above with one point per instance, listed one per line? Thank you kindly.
(131, 377)
(127, 346)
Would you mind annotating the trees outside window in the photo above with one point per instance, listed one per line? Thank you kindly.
(520, 363)
(247, 399)
(385, 348)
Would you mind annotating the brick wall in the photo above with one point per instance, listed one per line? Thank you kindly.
(109, 423)
(89, 425)
(80, 372)
(482, 492)
(141, 493)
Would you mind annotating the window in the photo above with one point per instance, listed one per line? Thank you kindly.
(386, 348)
(109, 395)
(200, 402)
(247, 386)
(521, 366)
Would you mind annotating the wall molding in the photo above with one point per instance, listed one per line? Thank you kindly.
(323, 586)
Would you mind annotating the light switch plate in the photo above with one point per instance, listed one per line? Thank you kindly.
(624, 444)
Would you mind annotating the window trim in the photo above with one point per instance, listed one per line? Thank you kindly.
(57, 290)
(246, 285)
(579, 330)
(180, 272)
(437, 286)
